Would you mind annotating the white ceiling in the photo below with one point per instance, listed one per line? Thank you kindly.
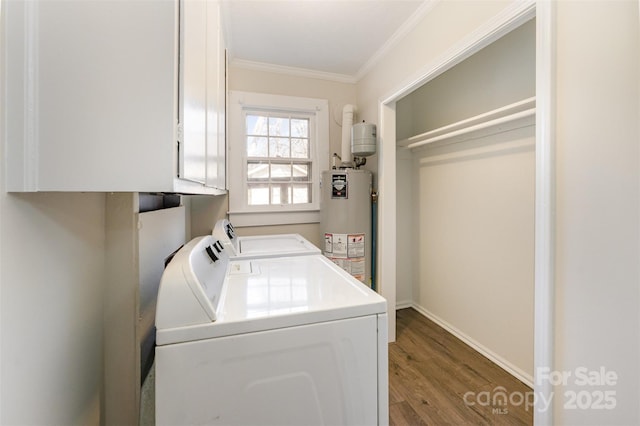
(337, 37)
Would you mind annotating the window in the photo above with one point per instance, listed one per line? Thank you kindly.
(278, 147)
(278, 159)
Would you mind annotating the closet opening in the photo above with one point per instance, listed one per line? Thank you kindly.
(471, 182)
(465, 188)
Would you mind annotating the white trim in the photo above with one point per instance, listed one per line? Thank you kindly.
(515, 371)
(404, 304)
(244, 215)
(31, 120)
(509, 19)
(185, 186)
(386, 269)
(400, 33)
(292, 71)
(3, 177)
(545, 206)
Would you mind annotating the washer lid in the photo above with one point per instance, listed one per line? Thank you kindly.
(271, 293)
(275, 245)
(257, 246)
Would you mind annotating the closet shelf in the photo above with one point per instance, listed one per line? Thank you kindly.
(500, 116)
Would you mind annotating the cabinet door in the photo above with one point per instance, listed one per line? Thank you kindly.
(193, 96)
(90, 95)
(216, 98)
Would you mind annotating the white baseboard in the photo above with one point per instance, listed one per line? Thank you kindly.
(516, 372)
(404, 304)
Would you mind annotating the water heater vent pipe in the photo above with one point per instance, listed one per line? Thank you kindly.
(347, 121)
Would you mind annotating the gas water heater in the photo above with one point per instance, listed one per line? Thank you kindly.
(345, 220)
(345, 202)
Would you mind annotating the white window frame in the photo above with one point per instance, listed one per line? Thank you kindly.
(242, 214)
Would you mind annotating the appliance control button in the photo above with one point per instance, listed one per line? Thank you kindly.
(211, 254)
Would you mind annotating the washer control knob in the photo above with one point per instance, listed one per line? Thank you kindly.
(211, 254)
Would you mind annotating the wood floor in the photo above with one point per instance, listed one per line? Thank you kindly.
(431, 371)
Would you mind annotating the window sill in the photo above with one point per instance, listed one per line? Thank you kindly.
(240, 219)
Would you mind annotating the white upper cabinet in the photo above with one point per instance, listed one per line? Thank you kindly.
(114, 96)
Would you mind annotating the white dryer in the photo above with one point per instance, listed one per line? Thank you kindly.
(261, 245)
(279, 341)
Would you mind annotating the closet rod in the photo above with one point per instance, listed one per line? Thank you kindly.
(480, 126)
(472, 121)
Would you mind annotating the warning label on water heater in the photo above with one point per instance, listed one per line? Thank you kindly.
(353, 266)
(336, 244)
(347, 251)
(344, 245)
(355, 245)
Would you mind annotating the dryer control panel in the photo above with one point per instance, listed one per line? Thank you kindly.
(192, 284)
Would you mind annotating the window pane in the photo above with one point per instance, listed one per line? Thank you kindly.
(278, 126)
(281, 171)
(301, 194)
(279, 148)
(258, 195)
(299, 128)
(257, 171)
(275, 195)
(300, 148)
(288, 194)
(257, 147)
(257, 125)
(301, 172)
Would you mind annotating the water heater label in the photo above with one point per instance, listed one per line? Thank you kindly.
(344, 245)
(357, 268)
(354, 266)
(328, 243)
(347, 251)
(355, 245)
(340, 245)
(339, 186)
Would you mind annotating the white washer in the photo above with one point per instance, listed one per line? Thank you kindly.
(280, 341)
(261, 245)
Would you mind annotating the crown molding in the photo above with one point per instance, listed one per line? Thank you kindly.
(517, 13)
(523, 7)
(400, 33)
(406, 27)
(293, 71)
